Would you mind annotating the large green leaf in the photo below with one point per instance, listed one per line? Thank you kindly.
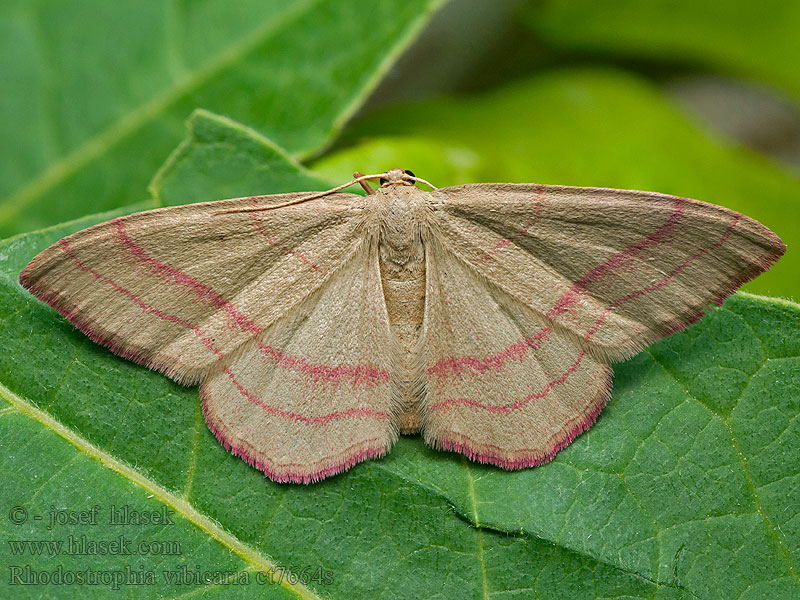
(684, 488)
(223, 159)
(753, 39)
(95, 92)
(577, 127)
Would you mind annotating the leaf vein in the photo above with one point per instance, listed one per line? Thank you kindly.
(471, 489)
(742, 459)
(117, 131)
(183, 508)
(187, 488)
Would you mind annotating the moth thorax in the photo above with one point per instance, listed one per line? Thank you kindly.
(402, 264)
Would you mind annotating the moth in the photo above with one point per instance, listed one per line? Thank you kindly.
(320, 326)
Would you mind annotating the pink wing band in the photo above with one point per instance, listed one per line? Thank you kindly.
(620, 259)
(259, 227)
(489, 453)
(357, 453)
(175, 276)
(352, 413)
(90, 330)
(455, 366)
(357, 374)
(517, 405)
(657, 286)
(537, 200)
(130, 295)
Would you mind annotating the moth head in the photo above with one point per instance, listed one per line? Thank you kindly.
(398, 177)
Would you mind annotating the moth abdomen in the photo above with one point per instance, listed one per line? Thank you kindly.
(402, 270)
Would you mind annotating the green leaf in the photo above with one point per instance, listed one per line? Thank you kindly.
(683, 488)
(223, 159)
(578, 127)
(751, 39)
(691, 476)
(95, 93)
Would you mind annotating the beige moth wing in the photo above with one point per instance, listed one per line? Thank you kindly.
(533, 290)
(176, 288)
(484, 315)
(193, 290)
(503, 385)
(287, 403)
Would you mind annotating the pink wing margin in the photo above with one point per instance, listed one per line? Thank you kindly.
(279, 315)
(504, 385)
(311, 396)
(618, 268)
(178, 288)
(563, 280)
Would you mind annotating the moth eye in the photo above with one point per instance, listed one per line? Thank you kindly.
(409, 173)
(383, 180)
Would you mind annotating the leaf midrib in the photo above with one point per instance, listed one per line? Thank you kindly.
(252, 556)
(119, 129)
(182, 508)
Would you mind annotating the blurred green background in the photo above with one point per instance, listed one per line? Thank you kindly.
(677, 96)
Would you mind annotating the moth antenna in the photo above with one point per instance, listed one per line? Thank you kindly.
(303, 198)
(422, 181)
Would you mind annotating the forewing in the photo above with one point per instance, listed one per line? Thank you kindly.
(310, 396)
(617, 268)
(504, 385)
(178, 288)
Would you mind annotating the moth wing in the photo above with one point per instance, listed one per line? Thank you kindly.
(310, 396)
(618, 268)
(504, 385)
(177, 288)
